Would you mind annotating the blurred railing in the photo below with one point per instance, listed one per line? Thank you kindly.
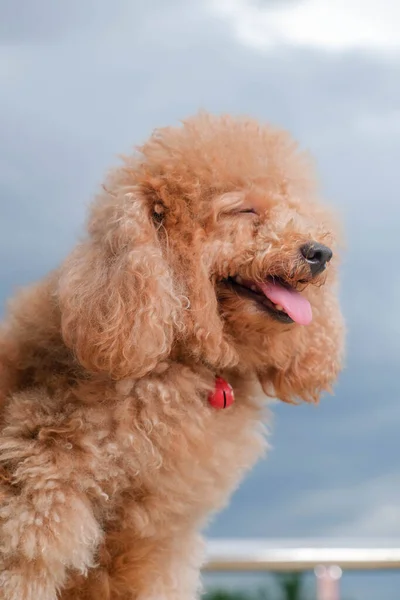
(327, 558)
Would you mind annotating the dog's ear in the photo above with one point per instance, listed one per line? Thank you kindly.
(309, 359)
(116, 295)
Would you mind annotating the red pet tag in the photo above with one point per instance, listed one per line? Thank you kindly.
(222, 396)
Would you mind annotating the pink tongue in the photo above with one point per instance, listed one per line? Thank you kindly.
(294, 304)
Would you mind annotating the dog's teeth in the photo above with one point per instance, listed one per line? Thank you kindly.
(238, 279)
(253, 287)
(279, 307)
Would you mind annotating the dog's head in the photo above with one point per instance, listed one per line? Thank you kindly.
(209, 244)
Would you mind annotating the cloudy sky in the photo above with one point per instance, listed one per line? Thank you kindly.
(83, 81)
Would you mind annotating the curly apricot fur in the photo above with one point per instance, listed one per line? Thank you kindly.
(111, 459)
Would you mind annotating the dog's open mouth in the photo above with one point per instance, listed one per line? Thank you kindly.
(277, 297)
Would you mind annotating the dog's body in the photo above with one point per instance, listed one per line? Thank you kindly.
(111, 456)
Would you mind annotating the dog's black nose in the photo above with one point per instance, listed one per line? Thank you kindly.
(317, 255)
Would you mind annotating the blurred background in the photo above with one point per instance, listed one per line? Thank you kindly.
(84, 80)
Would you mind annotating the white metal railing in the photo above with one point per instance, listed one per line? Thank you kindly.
(328, 558)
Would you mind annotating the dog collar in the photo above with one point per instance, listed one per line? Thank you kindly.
(222, 396)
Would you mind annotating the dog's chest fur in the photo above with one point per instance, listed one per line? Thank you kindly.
(146, 452)
(171, 442)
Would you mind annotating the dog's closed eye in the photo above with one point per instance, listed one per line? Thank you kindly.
(240, 211)
(248, 211)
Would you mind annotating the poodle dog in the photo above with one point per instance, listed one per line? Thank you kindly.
(207, 279)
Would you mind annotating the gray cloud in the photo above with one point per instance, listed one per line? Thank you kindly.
(274, 3)
(45, 20)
